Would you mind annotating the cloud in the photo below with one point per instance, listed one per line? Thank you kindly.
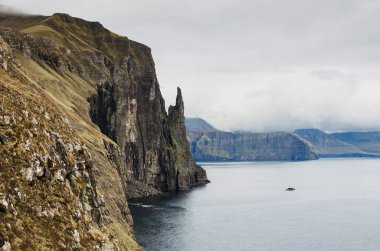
(255, 65)
(9, 10)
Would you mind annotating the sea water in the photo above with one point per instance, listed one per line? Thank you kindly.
(335, 206)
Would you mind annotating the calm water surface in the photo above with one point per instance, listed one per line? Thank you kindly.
(336, 206)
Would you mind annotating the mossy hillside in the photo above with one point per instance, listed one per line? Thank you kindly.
(69, 92)
(34, 91)
(41, 207)
(68, 58)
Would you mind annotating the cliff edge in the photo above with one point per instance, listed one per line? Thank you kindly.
(84, 128)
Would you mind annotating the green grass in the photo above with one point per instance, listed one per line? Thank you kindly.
(62, 94)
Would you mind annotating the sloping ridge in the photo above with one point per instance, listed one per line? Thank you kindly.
(341, 144)
(106, 87)
(198, 125)
(209, 144)
(368, 142)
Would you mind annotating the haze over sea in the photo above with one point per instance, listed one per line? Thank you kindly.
(335, 206)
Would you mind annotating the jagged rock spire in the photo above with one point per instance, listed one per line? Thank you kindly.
(176, 113)
(179, 100)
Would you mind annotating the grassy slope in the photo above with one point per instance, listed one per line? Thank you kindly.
(24, 229)
(69, 92)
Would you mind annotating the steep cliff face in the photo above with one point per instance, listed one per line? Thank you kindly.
(130, 109)
(188, 172)
(106, 87)
(349, 144)
(239, 146)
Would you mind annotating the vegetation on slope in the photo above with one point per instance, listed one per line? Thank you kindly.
(58, 185)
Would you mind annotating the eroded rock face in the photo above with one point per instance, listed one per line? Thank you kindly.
(188, 172)
(130, 109)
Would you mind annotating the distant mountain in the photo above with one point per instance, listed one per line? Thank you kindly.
(366, 141)
(351, 144)
(198, 125)
(210, 144)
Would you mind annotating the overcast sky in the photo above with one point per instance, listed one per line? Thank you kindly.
(258, 65)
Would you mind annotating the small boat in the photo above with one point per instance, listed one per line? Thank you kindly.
(290, 189)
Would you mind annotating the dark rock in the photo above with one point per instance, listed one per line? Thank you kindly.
(3, 204)
(2, 241)
(3, 209)
(188, 173)
(129, 108)
(290, 189)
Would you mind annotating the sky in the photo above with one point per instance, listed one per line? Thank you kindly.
(254, 65)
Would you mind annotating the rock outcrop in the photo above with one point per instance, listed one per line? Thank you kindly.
(129, 108)
(350, 144)
(245, 146)
(83, 127)
(182, 156)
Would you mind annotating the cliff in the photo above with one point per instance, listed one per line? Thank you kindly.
(350, 144)
(245, 146)
(51, 195)
(368, 142)
(83, 127)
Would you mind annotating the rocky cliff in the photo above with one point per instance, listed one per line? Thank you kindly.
(239, 146)
(350, 144)
(83, 127)
(132, 112)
